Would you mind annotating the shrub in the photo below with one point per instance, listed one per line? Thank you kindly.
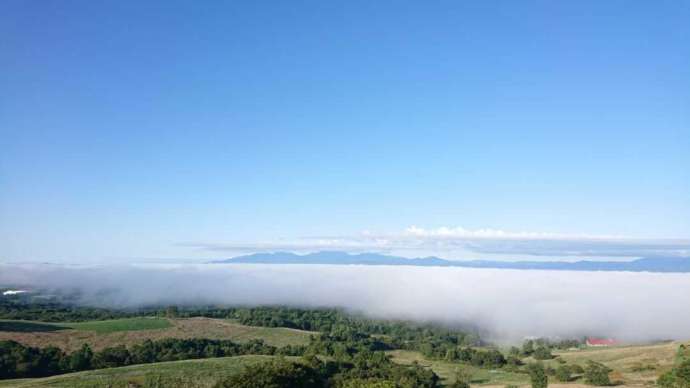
(683, 373)
(463, 378)
(563, 373)
(667, 380)
(597, 374)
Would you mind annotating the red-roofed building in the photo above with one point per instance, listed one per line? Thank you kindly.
(601, 342)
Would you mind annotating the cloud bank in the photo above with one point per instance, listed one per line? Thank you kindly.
(505, 304)
(478, 242)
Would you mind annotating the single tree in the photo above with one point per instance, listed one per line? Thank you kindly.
(537, 375)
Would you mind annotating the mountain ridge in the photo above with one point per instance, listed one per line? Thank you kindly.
(649, 264)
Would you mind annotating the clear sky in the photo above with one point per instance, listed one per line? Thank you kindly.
(174, 129)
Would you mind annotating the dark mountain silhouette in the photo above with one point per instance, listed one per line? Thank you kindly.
(652, 264)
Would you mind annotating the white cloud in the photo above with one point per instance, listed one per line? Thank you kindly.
(468, 234)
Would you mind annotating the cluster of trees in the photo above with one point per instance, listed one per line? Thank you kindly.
(17, 360)
(489, 358)
(594, 373)
(400, 334)
(53, 309)
(540, 349)
(365, 369)
(345, 345)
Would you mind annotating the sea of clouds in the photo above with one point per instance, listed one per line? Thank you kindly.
(505, 305)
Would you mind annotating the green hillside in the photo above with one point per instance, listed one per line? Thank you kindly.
(189, 373)
(100, 327)
(129, 331)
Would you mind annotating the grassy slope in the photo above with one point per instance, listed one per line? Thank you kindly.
(446, 370)
(623, 360)
(100, 334)
(200, 373)
(658, 358)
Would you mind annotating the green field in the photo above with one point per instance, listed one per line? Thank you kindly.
(29, 326)
(101, 327)
(189, 373)
(274, 336)
(130, 331)
(115, 325)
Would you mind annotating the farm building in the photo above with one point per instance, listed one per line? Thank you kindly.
(601, 341)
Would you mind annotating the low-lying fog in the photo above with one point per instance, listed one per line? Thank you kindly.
(504, 304)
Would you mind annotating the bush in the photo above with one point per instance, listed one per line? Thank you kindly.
(678, 377)
(683, 373)
(667, 380)
(563, 373)
(463, 378)
(597, 374)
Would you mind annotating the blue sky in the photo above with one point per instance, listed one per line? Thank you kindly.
(170, 129)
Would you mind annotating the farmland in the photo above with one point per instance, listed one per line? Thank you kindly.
(130, 331)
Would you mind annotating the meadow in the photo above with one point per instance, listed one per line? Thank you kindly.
(100, 327)
(130, 331)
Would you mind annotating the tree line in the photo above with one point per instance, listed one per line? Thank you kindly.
(365, 369)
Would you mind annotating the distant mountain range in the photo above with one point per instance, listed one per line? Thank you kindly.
(653, 264)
